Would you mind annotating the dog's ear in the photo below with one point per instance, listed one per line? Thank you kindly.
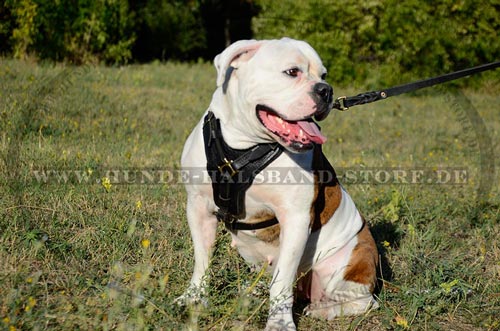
(237, 53)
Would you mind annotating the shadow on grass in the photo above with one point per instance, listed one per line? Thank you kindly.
(384, 231)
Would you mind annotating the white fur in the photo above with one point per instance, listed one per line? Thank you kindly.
(258, 78)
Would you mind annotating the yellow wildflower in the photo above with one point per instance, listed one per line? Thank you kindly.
(386, 243)
(106, 183)
(138, 205)
(145, 243)
(401, 321)
(31, 304)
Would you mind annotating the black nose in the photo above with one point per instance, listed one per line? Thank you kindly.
(324, 91)
(324, 100)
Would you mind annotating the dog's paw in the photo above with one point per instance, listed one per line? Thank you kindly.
(331, 309)
(192, 296)
(280, 318)
(280, 325)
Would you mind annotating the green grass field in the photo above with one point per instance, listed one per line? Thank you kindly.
(91, 255)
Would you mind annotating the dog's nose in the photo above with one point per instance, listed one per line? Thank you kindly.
(324, 91)
(325, 94)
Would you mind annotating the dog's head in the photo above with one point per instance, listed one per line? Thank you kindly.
(276, 87)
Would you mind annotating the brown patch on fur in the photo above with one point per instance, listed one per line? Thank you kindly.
(364, 259)
(270, 234)
(327, 192)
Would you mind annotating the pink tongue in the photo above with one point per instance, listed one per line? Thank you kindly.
(312, 130)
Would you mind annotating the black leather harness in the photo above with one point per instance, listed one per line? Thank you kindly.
(232, 172)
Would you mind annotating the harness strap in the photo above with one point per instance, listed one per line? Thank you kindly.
(344, 103)
(232, 172)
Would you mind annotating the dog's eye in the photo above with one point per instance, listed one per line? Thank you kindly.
(323, 76)
(293, 72)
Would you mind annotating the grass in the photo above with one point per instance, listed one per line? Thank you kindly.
(101, 256)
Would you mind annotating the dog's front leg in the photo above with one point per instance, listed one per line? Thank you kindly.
(293, 238)
(203, 227)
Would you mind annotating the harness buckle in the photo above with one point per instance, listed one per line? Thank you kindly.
(229, 220)
(227, 164)
(231, 224)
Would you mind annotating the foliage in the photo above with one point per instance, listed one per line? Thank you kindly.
(380, 42)
(22, 35)
(81, 32)
(86, 31)
(415, 37)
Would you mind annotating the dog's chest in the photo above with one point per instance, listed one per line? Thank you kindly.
(258, 246)
(267, 202)
(282, 200)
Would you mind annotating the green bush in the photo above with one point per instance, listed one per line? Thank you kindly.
(107, 31)
(411, 39)
(375, 42)
(22, 36)
(82, 31)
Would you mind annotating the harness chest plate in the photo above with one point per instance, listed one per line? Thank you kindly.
(232, 172)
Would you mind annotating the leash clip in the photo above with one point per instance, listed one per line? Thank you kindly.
(227, 164)
(341, 101)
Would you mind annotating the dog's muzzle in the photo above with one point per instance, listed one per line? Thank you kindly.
(323, 94)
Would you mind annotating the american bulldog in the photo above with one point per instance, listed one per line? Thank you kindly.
(307, 233)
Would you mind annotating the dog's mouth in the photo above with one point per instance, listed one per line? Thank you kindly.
(297, 135)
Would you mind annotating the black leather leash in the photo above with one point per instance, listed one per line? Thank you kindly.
(344, 103)
(232, 172)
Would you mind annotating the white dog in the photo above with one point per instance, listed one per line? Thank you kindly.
(308, 232)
